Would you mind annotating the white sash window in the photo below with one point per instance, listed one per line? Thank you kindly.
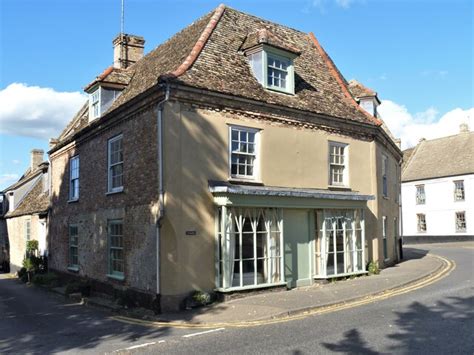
(340, 245)
(249, 247)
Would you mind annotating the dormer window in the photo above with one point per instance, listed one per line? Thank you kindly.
(367, 98)
(94, 100)
(273, 69)
(100, 101)
(277, 72)
(271, 61)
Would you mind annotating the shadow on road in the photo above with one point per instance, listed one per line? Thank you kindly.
(34, 321)
(419, 330)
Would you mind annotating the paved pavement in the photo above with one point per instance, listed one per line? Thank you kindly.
(270, 305)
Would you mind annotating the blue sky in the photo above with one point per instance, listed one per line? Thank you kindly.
(416, 54)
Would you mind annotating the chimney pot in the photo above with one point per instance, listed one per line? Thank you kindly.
(36, 158)
(128, 49)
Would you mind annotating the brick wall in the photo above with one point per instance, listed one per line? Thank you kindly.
(136, 205)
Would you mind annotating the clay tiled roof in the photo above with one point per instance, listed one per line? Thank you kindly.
(79, 121)
(208, 55)
(113, 76)
(36, 201)
(447, 156)
(221, 67)
(264, 36)
(163, 60)
(358, 90)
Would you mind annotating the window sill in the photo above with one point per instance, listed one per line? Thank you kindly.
(73, 200)
(73, 268)
(116, 277)
(339, 187)
(235, 180)
(114, 192)
(279, 90)
(385, 198)
(250, 287)
(355, 273)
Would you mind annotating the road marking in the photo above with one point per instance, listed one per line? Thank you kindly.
(205, 332)
(440, 273)
(138, 346)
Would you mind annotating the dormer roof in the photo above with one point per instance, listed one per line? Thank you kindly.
(265, 36)
(360, 91)
(112, 78)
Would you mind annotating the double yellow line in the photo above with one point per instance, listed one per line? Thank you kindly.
(440, 273)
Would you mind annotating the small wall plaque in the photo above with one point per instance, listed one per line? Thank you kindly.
(191, 233)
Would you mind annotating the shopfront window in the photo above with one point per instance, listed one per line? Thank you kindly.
(339, 247)
(249, 243)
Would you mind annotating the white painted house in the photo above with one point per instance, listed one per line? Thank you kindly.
(438, 189)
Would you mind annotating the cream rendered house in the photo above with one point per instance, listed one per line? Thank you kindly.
(231, 157)
(24, 214)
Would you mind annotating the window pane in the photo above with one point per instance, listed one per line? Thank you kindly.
(248, 270)
(235, 135)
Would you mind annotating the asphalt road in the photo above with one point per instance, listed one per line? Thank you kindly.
(437, 319)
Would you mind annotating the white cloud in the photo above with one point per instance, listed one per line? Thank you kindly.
(323, 4)
(427, 124)
(8, 179)
(33, 111)
(437, 74)
(16, 162)
(344, 3)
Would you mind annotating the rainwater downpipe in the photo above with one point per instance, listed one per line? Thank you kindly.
(161, 191)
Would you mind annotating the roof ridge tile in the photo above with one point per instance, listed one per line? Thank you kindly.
(201, 42)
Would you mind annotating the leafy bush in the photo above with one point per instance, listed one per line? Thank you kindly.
(373, 268)
(31, 247)
(201, 298)
(49, 279)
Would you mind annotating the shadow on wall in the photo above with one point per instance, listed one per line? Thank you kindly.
(444, 328)
(199, 154)
(57, 237)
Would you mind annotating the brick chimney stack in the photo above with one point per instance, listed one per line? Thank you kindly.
(128, 49)
(36, 158)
